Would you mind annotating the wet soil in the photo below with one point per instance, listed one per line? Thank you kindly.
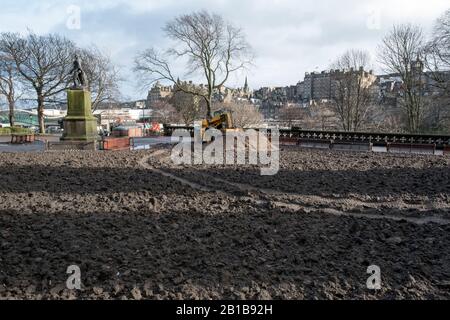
(140, 227)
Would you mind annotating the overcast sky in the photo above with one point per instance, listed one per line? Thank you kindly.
(289, 37)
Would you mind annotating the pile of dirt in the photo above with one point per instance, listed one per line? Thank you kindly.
(140, 227)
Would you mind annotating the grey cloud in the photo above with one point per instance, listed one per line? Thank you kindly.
(289, 37)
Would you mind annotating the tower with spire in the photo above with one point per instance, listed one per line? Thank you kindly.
(417, 66)
(246, 88)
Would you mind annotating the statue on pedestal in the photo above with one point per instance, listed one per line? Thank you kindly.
(79, 76)
(80, 125)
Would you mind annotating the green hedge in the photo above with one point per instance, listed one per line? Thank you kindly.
(14, 130)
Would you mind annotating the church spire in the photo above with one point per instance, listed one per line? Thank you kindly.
(246, 85)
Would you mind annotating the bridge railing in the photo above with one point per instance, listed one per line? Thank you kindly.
(369, 137)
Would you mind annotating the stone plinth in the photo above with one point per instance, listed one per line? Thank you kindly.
(80, 124)
(72, 145)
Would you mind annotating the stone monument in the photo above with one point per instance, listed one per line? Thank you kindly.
(80, 125)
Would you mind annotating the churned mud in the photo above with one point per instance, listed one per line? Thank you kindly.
(140, 227)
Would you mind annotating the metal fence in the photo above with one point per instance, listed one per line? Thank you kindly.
(376, 138)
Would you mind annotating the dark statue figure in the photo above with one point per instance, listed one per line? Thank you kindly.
(79, 76)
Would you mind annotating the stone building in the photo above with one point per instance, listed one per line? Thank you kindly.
(228, 95)
(391, 86)
(158, 92)
(292, 93)
(243, 93)
(322, 86)
(225, 94)
(271, 100)
(317, 86)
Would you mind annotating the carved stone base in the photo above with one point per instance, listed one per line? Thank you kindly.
(80, 124)
(80, 130)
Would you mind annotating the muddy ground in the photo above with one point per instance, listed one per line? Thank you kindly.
(141, 228)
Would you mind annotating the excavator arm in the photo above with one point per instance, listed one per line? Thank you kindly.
(221, 121)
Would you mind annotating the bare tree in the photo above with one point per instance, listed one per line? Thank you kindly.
(43, 62)
(321, 116)
(352, 88)
(9, 84)
(438, 49)
(209, 46)
(164, 112)
(399, 54)
(437, 60)
(437, 114)
(291, 115)
(102, 74)
(388, 122)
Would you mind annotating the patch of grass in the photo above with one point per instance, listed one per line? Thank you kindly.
(14, 130)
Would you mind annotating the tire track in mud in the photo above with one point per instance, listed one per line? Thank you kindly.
(296, 207)
(144, 163)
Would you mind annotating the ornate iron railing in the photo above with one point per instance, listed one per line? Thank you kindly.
(364, 137)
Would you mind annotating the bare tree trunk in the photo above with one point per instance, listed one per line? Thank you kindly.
(41, 114)
(209, 107)
(11, 112)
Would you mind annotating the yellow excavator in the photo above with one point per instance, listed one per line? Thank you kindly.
(221, 120)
